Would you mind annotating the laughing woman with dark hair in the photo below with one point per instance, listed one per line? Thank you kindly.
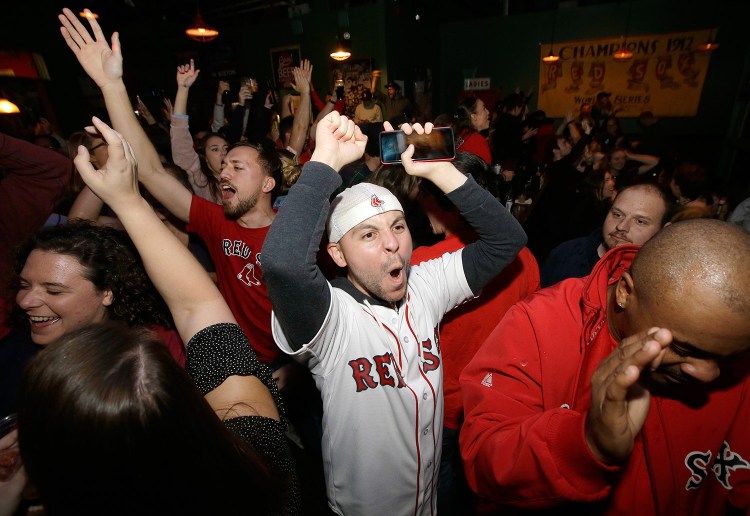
(66, 278)
(108, 424)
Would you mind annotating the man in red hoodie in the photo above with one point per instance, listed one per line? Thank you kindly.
(605, 391)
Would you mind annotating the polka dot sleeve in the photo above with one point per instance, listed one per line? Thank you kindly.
(222, 350)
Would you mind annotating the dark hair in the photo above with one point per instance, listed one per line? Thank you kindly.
(366, 95)
(269, 161)
(395, 179)
(110, 262)
(513, 101)
(467, 106)
(469, 165)
(692, 180)
(209, 175)
(110, 424)
(627, 182)
(48, 141)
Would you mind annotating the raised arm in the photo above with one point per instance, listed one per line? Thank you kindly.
(301, 124)
(186, 76)
(218, 121)
(88, 206)
(193, 299)
(500, 235)
(296, 286)
(104, 65)
(647, 161)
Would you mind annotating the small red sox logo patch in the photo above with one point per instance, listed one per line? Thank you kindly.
(375, 201)
(725, 462)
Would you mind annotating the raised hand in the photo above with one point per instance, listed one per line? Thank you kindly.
(619, 405)
(145, 112)
(419, 168)
(167, 109)
(244, 95)
(116, 183)
(304, 78)
(301, 82)
(223, 87)
(102, 63)
(186, 75)
(338, 141)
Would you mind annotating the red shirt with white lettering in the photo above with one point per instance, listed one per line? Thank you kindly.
(236, 253)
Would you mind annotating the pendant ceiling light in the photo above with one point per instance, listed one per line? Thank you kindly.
(7, 107)
(623, 54)
(201, 31)
(709, 46)
(552, 57)
(341, 50)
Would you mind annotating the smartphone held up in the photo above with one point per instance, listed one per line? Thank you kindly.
(438, 145)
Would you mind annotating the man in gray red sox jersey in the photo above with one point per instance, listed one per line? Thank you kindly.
(371, 338)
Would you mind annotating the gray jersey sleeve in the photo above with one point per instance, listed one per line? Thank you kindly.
(500, 235)
(298, 290)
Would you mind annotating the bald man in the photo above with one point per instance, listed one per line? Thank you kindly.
(625, 392)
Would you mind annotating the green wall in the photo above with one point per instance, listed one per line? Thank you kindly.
(506, 49)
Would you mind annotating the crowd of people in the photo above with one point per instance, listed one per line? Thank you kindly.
(264, 318)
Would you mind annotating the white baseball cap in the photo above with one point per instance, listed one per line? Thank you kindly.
(357, 204)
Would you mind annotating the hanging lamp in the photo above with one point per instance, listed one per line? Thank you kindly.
(623, 54)
(552, 57)
(709, 46)
(341, 51)
(201, 31)
(7, 107)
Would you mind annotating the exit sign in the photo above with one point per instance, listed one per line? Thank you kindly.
(477, 83)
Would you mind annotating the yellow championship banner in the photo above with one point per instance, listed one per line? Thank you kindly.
(664, 76)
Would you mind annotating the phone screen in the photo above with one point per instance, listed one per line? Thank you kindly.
(436, 146)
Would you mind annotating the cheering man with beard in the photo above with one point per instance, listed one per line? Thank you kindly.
(233, 232)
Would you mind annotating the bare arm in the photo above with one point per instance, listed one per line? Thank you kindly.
(218, 122)
(195, 304)
(647, 162)
(88, 206)
(301, 125)
(186, 76)
(104, 65)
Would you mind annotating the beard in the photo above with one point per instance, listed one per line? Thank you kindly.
(372, 282)
(240, 208)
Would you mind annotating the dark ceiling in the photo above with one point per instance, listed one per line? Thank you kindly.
(33, 18)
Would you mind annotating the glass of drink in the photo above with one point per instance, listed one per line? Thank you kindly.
(10, 457)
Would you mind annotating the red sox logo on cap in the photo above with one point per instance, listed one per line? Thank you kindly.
(375, 202)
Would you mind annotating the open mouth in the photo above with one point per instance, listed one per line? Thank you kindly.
(227, 191)
(397, 273)
(39, 322)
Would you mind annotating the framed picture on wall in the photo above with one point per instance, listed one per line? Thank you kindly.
(283, 61)
(356, 75)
